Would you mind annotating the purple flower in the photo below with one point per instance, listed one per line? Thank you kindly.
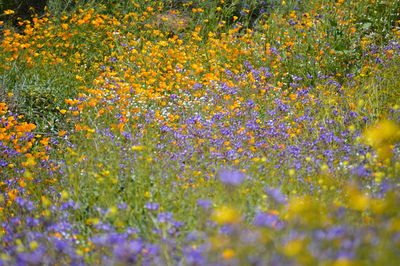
(164, 217)
(360, 171)
(152, 206)
(127, 251)
(194, 256)
(263, 219)
(231, 177)
(276, 195)
(204, 203)
(32, 258)
(122, 206)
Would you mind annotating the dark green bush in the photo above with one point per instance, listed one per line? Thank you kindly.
(23, 8)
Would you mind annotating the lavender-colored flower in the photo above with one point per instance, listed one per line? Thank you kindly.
(204, 203)
(276, 195)
(152, 206)
(122, 206)
(194, 236)
(164, 217)
(32, 258)
(127, 251)
(263, 219)
(194, 256)
(231, 177)
(360, 171)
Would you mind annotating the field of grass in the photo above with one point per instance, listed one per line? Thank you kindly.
(198, 132)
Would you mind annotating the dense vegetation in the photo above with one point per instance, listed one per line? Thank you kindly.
(200, 132)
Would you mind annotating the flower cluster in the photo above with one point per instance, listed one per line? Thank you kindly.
(191, 136)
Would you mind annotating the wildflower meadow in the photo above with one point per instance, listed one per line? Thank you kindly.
(202, 132)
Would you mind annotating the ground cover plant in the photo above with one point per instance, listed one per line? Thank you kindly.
(200, 133)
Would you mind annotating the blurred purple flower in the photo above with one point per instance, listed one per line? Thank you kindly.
(276, 195)
(231, 177)
(263, 219)
(194, 256)
(127, 251)
(152, 206)
(204, 203)
(122, 206)
(360, 171)
(164, 217)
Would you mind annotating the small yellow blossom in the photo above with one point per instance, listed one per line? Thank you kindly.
(9, 12)
(228, 253)
(137, 148)
(33, 245)
(64, 195)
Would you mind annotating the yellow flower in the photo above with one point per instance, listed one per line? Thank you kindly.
(112, 211)
(226, 215)
(383, 133)
(385, 152)
(45, 202)
(137, 148)
(382, 136)
(33, 245)
(357, 200)
(64, 195)
(228, 253)
(293, 247)
(291, 172)
(4, 257)
(9, 12)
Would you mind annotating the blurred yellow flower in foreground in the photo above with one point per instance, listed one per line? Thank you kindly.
(228, 253)
(226, 215)
(293, 247)
(382, 136)
(357, 200)
(383, 132)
